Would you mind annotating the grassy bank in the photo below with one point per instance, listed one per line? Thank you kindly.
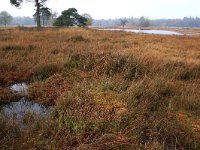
(109, 90)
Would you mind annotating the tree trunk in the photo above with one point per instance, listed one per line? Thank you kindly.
(38, 13)
(43, 22)
(4, 21)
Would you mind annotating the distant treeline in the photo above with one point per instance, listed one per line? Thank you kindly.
(185, 22)
(22, 21)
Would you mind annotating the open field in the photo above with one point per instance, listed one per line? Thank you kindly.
(108, 90)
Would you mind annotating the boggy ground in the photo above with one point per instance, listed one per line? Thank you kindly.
(109, 90)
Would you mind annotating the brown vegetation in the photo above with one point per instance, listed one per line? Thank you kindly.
(109, 90)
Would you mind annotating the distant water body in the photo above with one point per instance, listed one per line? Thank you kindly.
(163, 32)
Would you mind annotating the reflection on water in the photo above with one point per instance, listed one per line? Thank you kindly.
(20, 88)
(164, 32)
(18, 110)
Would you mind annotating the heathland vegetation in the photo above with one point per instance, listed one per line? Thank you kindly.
(106, 90)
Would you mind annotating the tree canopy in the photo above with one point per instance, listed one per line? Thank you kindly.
(16, 3)
(5, 18)
(89, 18)
(70, 17)
(144, 22)
(123, 22)
(38, 4)
(45, 14)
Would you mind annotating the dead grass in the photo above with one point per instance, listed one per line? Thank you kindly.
(6, 96)
(109, 90)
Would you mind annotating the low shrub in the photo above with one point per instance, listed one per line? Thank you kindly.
(134, 70)
(12, 47)
(187, 74)
(31, 47)
(150, 118)
(81, 61)
(48, 91)
(78, 38)
(129, 67)
(43, 72)
(116, 85)
(154, 93)
(114, 65)
(6, 96)
(192, 106)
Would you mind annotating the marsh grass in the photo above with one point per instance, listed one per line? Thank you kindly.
(43, 72)
(192, 106)
(48, 91)
(12, 47)
(188, 74)
(6, 96)
(108, 90)
(79, 38)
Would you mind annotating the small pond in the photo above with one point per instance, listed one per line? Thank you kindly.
(163, 32)
(19, 109)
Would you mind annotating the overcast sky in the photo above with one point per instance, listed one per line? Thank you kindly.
(104, 9)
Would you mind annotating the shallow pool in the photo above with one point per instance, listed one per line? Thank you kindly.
(18, 110)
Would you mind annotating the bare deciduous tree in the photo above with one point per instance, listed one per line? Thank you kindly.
(123, 22)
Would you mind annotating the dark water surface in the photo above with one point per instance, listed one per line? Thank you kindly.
(22, 107)
(18, 110)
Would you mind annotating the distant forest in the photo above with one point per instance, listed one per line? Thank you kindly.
(185, 22)
(23, 21)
